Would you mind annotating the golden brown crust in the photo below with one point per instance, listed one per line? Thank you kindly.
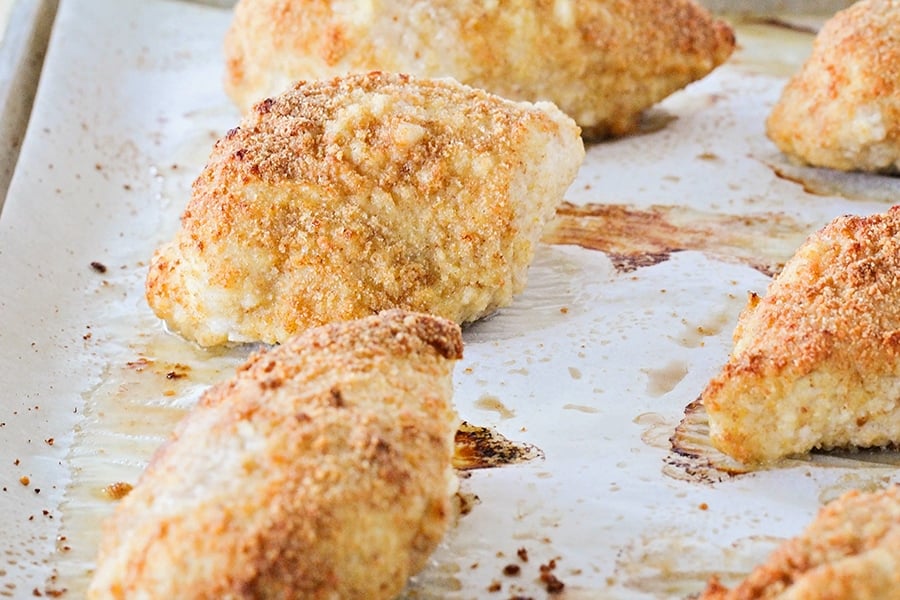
(321, 470)
(851, 550)
(815, 360)
(345, 197)
(842, 109)
(610, 59)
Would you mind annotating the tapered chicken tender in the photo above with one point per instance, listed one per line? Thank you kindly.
(851, 550)
(842, 109)
(342, 198)
(603, 62)
(321, 470)
(816, 361)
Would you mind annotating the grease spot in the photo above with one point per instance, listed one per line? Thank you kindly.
(676, 563)
(493, 403)
(636, 238)
(695, 334)
(664, 380)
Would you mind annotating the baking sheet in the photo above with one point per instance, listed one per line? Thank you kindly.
(593, 364)
(24, 29)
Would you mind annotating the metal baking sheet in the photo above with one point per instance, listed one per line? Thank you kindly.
(629, 310)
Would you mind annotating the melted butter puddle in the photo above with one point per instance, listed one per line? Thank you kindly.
(127, 416)
(151, 378)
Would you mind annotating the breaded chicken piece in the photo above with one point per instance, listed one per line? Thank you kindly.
(342, 198)
(321, 470)
(851, 550)
(842, 109)
(603, 62)
(816, 361)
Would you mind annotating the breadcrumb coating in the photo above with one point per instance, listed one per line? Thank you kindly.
(815, 361)
(322, 469)
(851, 550)
(345, 197)
(842, 109)
(603, 62)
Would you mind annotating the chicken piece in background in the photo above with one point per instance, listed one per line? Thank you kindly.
(603, 62)
(842, 109)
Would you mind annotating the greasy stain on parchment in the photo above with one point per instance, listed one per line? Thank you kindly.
(635, 238)
(819, 181)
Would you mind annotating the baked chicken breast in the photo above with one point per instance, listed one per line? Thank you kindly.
(842, 109)
(816, 361)
(342, 198)
(321, 470)
(603, 62)
(851, 550)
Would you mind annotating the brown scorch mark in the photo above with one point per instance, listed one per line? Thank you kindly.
(635, 238)
(478, 447)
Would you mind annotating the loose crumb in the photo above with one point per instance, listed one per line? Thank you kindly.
(551, 582)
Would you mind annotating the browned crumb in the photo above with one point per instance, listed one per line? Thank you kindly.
(551, 582)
